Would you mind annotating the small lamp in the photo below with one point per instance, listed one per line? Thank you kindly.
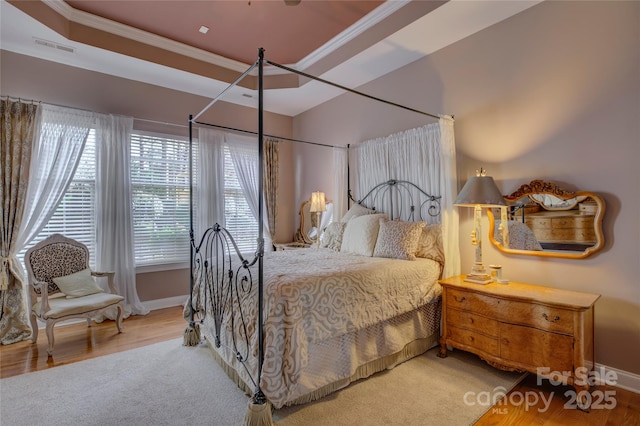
(318, 205)
(479, 191)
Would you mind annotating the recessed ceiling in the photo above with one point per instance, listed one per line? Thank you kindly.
(159, 42)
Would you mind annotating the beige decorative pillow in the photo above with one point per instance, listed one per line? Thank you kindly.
(332, 236)
(79, 284)
(360, 234)
(355, 211)
(398, 239)
(430, 243)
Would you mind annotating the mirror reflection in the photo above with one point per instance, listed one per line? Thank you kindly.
(308, 231)
(545, 220)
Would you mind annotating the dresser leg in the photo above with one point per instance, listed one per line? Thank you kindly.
(442, 353)
(583, 398)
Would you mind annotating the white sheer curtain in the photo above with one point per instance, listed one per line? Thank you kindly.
(114, 221)
(449, 188)
(58, 143)
(209, 181)
(340, 204)
(244, 155)
(424, 156)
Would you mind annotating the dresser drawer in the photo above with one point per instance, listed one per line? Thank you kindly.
(540, 316)
(473, 340)
(470, 321)
(538, 223)
(536, 348)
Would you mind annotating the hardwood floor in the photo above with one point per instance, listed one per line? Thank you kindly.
(77, 342)
(532, 404)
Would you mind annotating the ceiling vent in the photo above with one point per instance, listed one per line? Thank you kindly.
(54, 45)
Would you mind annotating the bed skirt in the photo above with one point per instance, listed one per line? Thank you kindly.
(335, 363)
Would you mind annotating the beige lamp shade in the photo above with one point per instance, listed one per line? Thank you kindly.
(318, 203)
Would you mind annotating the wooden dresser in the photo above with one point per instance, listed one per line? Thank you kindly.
(570, 226)
(521, 327)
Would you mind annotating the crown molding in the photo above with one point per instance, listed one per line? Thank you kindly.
(374, 17)
(116, 28)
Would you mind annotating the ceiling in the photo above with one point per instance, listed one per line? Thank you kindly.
(159, 42)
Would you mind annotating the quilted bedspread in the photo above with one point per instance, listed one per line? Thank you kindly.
(311, 295)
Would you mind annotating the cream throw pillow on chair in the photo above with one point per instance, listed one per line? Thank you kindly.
(77, 285)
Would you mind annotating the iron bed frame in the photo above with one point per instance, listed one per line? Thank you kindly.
(224, 285)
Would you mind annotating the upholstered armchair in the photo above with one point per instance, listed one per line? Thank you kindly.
(62, 286)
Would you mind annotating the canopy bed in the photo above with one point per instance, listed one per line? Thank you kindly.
(292, 326)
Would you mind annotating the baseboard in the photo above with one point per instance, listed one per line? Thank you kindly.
(168, 302)
(623, 379)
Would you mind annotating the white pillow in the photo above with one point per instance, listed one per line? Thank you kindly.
(79, 284)
(361, 234)
(355, 211)
(398, 239)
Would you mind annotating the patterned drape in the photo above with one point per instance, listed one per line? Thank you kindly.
(270, 184)
(16, 142)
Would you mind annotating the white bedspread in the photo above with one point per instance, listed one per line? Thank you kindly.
(314, 294)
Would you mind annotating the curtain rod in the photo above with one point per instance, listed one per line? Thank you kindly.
(180, 125)
(269, 136)
(348, 89)
(166, 123)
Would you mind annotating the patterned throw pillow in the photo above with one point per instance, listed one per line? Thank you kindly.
(397, 239)
(430, 243)
(332, 236)
(355, 211)
(360, 234)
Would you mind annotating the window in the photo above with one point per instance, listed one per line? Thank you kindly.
(160, 202)
(161, 205)
(74, 217)
(240, 222)
(160, 197)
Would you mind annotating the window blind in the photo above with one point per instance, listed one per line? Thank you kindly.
(160, 196)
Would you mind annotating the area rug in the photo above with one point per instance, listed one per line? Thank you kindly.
(170, 384)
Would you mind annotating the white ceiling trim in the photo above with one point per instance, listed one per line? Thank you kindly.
(116, 28)
(374, 17)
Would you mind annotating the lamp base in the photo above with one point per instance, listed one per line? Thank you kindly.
(478, 278)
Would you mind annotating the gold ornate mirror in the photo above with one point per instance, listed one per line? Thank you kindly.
(308, 229)
(546, 220)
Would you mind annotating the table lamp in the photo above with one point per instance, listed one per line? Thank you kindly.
(479, 191)
(318, 205)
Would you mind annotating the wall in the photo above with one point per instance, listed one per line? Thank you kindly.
(31, 78)
(551, 93)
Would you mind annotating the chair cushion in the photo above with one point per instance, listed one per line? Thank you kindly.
(61, 307)
(79, 284)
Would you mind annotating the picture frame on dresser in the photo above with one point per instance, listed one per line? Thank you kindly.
(522, 327)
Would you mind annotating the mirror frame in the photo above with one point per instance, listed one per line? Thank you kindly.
(301, 236)
(542, 187)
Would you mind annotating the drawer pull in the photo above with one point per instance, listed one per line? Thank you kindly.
(545, 316)
(459, 299)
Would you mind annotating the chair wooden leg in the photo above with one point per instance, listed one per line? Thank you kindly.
(34, 328)
(119, 317)
(88, 322)
(50, 325)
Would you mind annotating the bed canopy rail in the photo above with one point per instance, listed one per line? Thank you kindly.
(211, 257)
